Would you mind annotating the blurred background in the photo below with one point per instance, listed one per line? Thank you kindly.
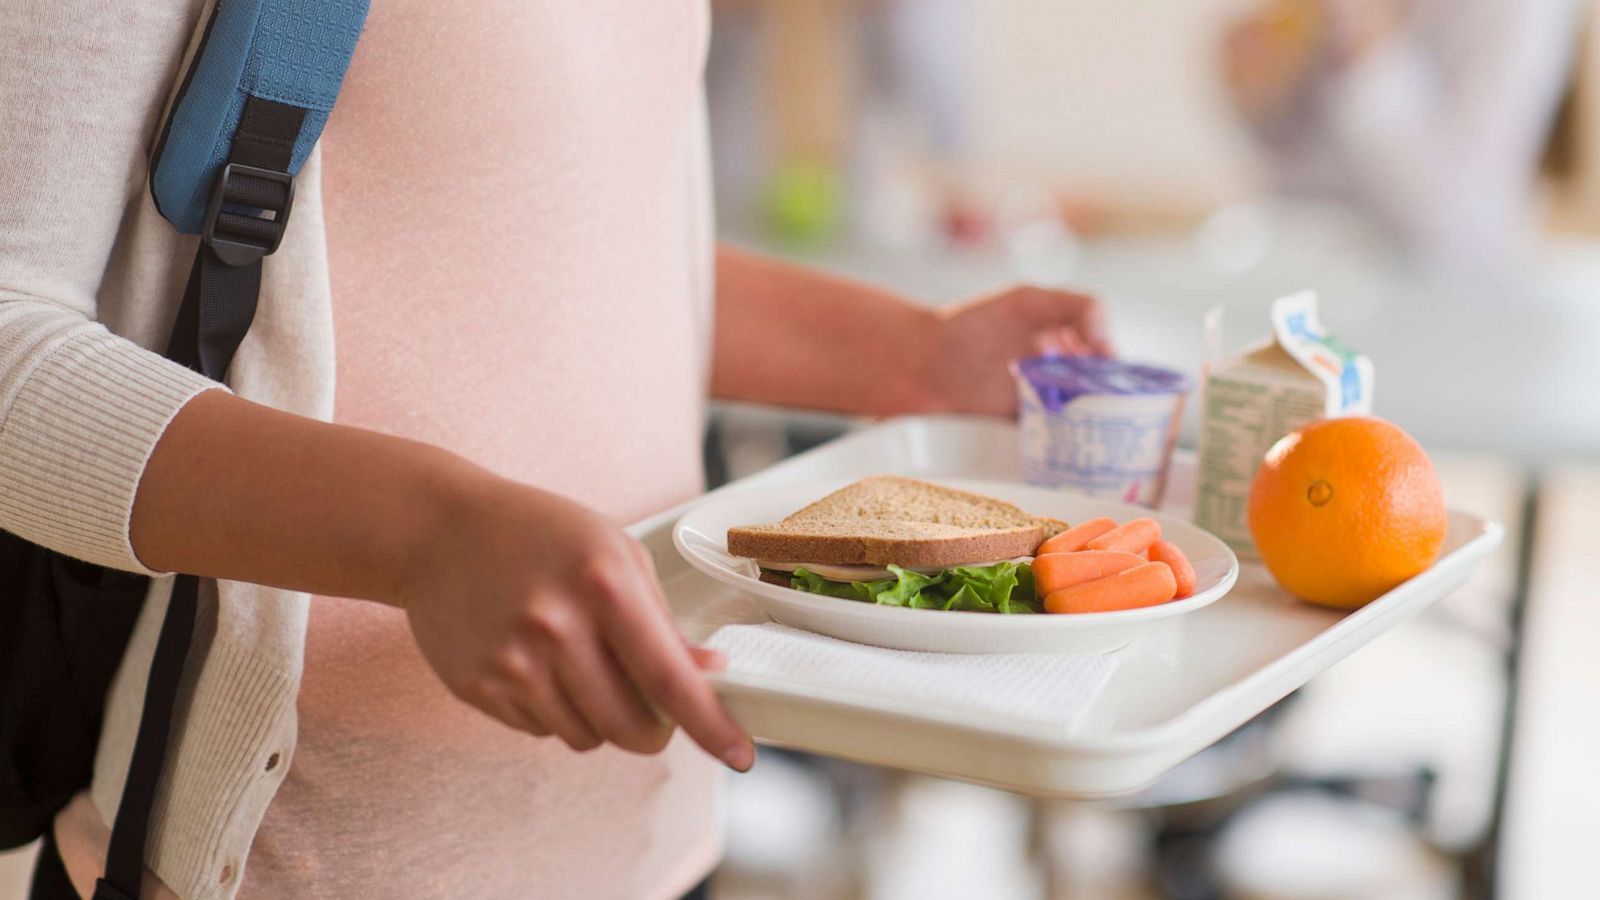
(1432, 169)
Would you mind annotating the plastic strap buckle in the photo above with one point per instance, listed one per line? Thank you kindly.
(247, 213)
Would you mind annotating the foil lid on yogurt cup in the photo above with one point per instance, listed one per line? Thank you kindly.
(1057, 380)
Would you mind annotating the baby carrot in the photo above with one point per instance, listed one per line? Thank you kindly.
(1054, 571)
(1168, 552)
(1077, 536)
(1143, 585)
(1132, 536)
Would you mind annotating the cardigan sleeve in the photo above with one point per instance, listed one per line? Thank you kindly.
(81, 409)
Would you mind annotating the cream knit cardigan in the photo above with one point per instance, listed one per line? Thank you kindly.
(90, 277)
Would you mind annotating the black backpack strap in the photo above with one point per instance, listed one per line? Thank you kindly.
(125, 857)
(220, 299)
(218, 306)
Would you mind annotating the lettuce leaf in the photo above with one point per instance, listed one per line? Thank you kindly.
(905, 590)
(1005, 588)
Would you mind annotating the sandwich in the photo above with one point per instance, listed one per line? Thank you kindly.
(903, 542)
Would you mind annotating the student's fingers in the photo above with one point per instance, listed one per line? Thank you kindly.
(655, 656)
(565, 720)
(646, 561)
(1072, 322)
(707, 659)
(496, 701)
(1085, 316)
(1092, 328)
(540, 698)
(1060, 339)
(565, 724)
(516, 716)
(607, 699)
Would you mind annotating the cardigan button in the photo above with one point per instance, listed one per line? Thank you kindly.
(272, 761)
(227, 875)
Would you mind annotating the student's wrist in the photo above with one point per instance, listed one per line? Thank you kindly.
(446, 489)
(921, 381)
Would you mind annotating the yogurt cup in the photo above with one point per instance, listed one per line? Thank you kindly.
(1098, 426)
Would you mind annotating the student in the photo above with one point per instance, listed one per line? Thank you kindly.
(497, 285)
(1427, 116)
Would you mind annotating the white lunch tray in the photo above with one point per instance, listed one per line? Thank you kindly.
(1176, 690)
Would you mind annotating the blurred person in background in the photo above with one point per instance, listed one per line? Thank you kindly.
(1427, 116)
(865, 109)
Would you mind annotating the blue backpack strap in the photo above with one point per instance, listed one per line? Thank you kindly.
(251, 107)
(275, 59)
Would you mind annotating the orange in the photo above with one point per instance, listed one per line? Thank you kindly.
(1345, 509)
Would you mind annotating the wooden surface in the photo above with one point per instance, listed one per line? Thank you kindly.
(1555, 784)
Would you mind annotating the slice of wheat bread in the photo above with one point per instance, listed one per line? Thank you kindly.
(887, 519)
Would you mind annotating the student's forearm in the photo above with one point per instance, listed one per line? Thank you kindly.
(507, 588)
(240, 491)
(796, 337)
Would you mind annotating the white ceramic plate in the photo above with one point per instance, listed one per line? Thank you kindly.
(701, 536)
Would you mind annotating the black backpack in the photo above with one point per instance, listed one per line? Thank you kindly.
(251, 105)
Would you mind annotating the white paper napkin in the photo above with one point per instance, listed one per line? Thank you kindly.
(1038, 687)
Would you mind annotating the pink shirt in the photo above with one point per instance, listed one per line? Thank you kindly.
(517, 234)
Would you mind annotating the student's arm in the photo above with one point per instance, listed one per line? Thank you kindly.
(532, 608)
(797, 337)
(80, 407)
(529, 606)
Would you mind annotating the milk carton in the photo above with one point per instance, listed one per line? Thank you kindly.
(1251, 400)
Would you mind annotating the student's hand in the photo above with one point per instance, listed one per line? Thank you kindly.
(545, 615)
(975, 340)
(794, 336)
